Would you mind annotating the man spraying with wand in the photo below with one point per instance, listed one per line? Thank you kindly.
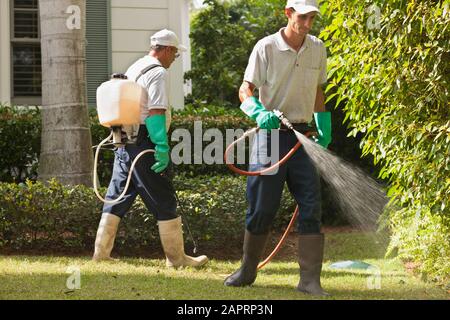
(289, 69)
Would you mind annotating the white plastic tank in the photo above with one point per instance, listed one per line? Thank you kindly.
(119, 102)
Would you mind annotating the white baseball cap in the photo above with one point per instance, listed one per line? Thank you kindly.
(166, 38)
(303, 6)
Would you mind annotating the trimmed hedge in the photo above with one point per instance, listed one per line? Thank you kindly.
(55, 217)
(21, 140)
(21, 128)
(211, 117)
(20, 143)
(28, 123)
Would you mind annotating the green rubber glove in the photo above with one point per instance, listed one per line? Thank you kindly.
(264, 118)
(323, 123)
(156, 127)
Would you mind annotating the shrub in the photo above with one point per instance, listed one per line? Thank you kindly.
(211, 117)
(106, 155)
(21, 134)
(20, 143)
(393, 82)
(34, 215)
(55, 217)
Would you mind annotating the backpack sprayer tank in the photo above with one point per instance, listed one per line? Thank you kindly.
(119, 104)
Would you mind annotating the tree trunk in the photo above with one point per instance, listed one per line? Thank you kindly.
(66, 153)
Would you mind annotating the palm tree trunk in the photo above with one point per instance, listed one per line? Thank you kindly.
(66, 153)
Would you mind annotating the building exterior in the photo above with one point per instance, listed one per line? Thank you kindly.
(117, 32)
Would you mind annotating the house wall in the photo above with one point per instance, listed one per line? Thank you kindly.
(132, 24)
(5, 53)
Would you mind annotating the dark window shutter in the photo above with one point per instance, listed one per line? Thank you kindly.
(98, 50)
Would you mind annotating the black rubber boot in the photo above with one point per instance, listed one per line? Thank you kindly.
(254, 246)
(310, 257)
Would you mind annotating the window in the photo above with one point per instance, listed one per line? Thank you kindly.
(98, 56)
(26, 49)
(26, 52)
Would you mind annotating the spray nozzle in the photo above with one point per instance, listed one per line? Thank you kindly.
(283, 119)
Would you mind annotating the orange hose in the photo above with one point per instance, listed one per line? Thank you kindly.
(263, 172)
(281, 242)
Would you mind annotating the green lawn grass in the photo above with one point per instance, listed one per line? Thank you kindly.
(23, 277)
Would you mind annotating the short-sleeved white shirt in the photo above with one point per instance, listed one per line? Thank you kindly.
(155, 81)
(287, 80)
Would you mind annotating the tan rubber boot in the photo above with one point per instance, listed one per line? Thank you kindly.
(106, 234)
(171, 235)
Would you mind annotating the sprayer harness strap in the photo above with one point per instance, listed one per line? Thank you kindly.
(147, 69)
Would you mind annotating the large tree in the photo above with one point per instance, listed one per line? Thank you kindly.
(66, 138)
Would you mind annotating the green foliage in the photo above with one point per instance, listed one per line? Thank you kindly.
(106, 156)
(55, 217)
(20, 131)
(219, 53)
(209, 117)
(222, 38)
(21, 146)
(393, 83)
(423, 237)
(34, 215)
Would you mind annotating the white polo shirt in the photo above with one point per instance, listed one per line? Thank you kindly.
(287, 80)
(155, 81)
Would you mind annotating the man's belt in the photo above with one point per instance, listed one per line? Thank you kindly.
(300, 127)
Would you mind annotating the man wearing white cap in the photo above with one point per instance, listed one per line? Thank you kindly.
(147, 181)
(289, 69)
